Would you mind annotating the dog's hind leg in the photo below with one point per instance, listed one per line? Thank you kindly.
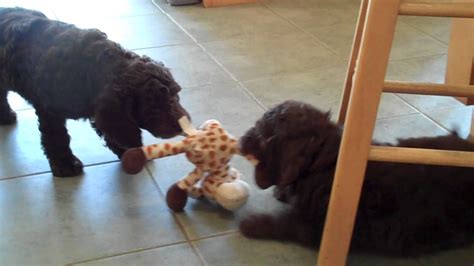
(55, 141)
(7, 115)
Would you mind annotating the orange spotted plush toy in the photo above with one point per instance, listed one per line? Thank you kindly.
(210, 149)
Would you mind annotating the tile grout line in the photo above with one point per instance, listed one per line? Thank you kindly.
(160, 46)
(234, 78)
(127, 253)
(110, 17)
(46, 172)
(196, 42)
(182, 227)
(426, 33)
(175, 217)
(193, 244)
(249, 93)
(304, 31)
(196, 251)
(225, 233)
(416, 57)
(423, 114)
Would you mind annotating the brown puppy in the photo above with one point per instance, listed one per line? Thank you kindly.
(405, 209)
(70, 73)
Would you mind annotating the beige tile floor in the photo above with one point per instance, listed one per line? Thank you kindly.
(233, 63)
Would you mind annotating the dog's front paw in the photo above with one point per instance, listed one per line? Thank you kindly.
(7, 118)
(257, 226)
(69, 167)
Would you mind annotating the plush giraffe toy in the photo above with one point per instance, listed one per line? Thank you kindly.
(210, 149)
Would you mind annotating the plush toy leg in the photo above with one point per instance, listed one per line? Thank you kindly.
(177, 195)
(133, 160)
(176, 198)
(232, 195)
(195, 192)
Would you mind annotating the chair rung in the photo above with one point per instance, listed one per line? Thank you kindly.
(421, 156)
(429, 89)
(459, 10)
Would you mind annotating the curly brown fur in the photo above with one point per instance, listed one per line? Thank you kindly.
(404, 210)
(70, 73)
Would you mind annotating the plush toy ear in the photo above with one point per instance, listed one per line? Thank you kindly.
(209, 123)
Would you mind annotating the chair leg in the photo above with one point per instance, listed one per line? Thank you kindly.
(460, 64)
(471, 134)
(357, 135)
(352, 61)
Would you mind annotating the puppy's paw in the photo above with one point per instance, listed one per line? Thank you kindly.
(7, 118)
(257, 226)
(69, 167)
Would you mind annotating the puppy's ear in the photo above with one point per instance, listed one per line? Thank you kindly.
(290, 172)
(326, 153)
(293, 161)
(114, 117)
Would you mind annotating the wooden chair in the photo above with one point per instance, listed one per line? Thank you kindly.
(218, 3)
(363, 88)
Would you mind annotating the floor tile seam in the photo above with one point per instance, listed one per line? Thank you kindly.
(454, 127)
(416, 57)
(150, 174)
(111, 17)
(129, 252)
(181, 226)
(224, 233)
(424, 115)
(194, 241)
(440, 108)
(313, 37)
(228, 72)
(249, 93)
(397, 94)
(46, 172)
(196, 42)
(23, 176)
(308, 70)
(397, 116)
(424, 32)
(195, 249)
(23, 109)
(163, 46)
(413, 110)
(168, 15)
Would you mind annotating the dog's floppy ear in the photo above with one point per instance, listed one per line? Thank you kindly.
(115, 119)
(327, 152)
(293, 161)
